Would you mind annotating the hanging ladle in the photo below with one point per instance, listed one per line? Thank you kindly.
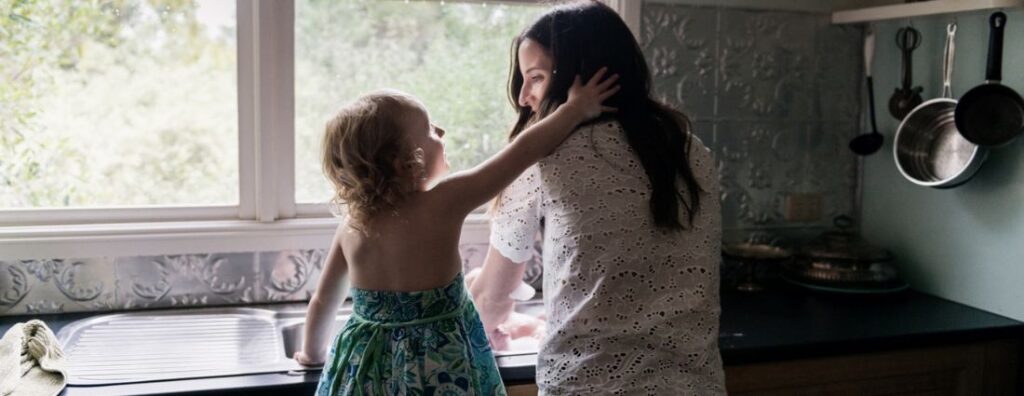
(868, 143)
(906, 98)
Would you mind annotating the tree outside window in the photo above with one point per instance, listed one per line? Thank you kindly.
(135, 102)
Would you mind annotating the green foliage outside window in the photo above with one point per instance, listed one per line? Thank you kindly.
(454, 57)
(116, 103)
(134, 102)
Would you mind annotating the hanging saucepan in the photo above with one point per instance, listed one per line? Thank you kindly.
(991, 114)
(928, 147)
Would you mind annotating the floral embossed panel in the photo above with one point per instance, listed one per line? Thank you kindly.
(141, 282)
(765, 65)
(56, 285)
(174, 281)
(681, 45)
(775, 96)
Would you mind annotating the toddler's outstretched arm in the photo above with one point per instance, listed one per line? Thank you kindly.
(323, 306)
(467, 190)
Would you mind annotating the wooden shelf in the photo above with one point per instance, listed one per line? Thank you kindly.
(908, 10)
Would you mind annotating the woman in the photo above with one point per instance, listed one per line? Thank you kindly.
(629, 212)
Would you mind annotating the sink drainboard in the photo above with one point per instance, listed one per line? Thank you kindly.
(210, 342)
(146, 347)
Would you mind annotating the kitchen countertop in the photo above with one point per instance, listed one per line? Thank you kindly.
(792, 324)
(780, 324)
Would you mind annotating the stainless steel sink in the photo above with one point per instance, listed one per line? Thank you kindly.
(292, 324)
(215, 342)
(176, 344)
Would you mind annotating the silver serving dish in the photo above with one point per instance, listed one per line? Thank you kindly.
(839, 260)
(748, 256)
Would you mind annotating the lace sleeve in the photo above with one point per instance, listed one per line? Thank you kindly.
(516, 222)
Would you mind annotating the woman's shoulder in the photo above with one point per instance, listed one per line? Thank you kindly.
(697, 146)
(612, 125)
(603, 123)
(606, 126)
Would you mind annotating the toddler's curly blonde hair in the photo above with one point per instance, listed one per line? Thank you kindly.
(368, 158)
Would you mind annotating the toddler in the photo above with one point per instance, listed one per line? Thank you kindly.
(414, 329)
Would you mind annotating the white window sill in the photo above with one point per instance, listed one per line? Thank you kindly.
(163, 228)
(181, 237)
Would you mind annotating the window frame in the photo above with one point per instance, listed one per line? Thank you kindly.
(267, 215)
(257, 23)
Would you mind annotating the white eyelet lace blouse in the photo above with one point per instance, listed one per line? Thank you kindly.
(631, 310)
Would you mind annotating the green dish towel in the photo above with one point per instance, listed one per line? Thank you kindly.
(31, 361)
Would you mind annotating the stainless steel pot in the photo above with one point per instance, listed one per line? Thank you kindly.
(928, 147)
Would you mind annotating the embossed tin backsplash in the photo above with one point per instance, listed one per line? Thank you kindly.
(775, 95)
(128, 283)
(125, 283)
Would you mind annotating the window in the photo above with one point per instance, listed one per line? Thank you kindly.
(453, 56)
(120, 103)
(167, 112)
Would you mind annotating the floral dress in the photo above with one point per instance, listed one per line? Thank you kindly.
(412, 343)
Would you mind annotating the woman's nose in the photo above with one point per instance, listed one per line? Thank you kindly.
(523, 94)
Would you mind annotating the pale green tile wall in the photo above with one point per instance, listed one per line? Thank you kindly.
(964, 244)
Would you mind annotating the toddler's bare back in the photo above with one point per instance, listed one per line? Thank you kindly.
(414, 248)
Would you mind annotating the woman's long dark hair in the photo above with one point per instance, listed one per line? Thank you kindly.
(581, 38)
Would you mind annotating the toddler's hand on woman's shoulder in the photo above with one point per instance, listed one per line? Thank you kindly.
(587, 98)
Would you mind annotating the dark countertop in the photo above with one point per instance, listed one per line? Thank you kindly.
(793, 323)
(779, 324)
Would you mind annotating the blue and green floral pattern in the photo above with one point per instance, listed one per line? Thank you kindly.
(412, 343)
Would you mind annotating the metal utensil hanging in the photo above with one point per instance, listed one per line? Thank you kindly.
(869, 143)
(906, 97)
(928, 148)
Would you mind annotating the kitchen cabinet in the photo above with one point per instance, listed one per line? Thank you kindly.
(521, 390)
(786, 341)
(984, 368)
